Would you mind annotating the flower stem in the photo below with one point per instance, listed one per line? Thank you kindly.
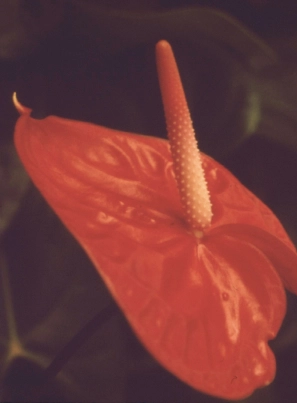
(62, 358)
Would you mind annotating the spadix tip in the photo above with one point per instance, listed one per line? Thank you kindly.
(163, 44)
(23, 110)
(163, 49)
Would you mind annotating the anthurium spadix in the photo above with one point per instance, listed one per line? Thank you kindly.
(196, 262)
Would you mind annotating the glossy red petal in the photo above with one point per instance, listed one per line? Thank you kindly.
(204, 308)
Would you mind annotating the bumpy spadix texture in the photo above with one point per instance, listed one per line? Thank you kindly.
(204, 307)
(186, 158)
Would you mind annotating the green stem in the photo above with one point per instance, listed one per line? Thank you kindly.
(61, 359)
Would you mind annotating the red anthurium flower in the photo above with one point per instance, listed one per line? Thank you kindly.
(197, 263)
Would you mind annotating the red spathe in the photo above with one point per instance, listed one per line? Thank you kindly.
(204, 307)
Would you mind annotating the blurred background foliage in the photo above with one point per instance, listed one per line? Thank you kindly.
(94, 61)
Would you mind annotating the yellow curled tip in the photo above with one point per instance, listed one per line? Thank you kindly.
(23, 110)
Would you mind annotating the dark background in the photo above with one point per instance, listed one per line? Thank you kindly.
(94, 61)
